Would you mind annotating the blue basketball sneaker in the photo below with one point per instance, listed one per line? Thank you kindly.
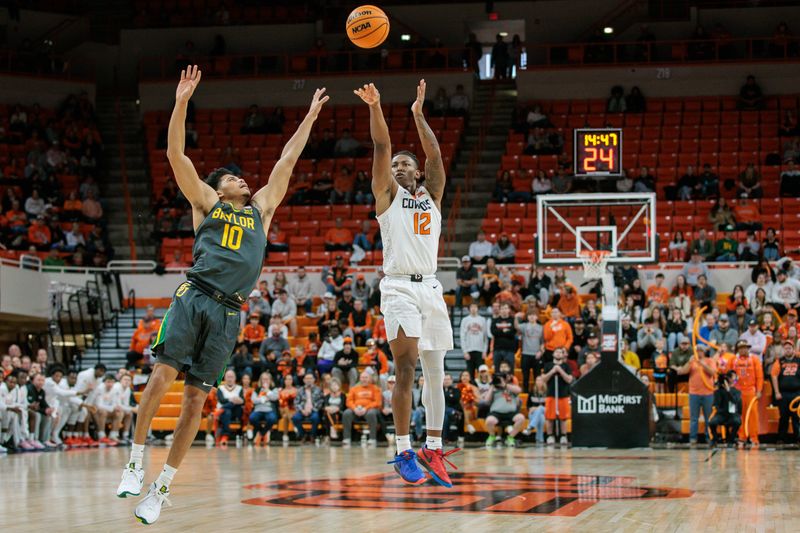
(406, 465)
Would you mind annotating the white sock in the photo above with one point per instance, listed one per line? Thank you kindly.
(101, 434)
(86, 434)
(137, 455)
(114, 435)
(403, 443)
(433, 443)
(165, 478)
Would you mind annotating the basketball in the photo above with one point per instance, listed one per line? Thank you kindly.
(367, 26)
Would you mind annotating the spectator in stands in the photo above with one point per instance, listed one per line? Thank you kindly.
(785, 293)
(91, 209)
(253, 334)
(480, 250)
(754, 338)
(645, 181)
(333, 407)
(504, 187)
(647, 337)
(230, 401)
(347, 146)
(616, 102)
(723, 334)
(541, 184)
(364, 402)
(788, 126)
(568, 301)
(503, 338)
(749, 250)
(258, 302)
(500, 58)
(635, 102)
(695, 267)
(702, 248)
(307, 405)
(286, 309)
(750, 183)
(440, 103)
(275, 342)
(504, 251)
(362, 290)
(705, 294)
(73, 239)
(332, 344)
(466, 281)
(360, 322)
(459, 102)
(721, 214)
(301, 290)
(771, 247)
(474, 335)
(338, 237)
(254, 121)
(35, 205)
(539, 286)
(264, 414)
(366, 239)
(490, 283)
(531, 333)
(143, 337)
(750, 95)
(689, 185)
(39, 234)
(790, 180)
(702, 372)
(558, 376)
(709, 182)
(556, 333)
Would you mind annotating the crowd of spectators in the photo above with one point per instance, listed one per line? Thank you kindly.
(48, 177)
(46, 407)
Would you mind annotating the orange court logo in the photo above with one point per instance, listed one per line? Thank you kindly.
(525, 494)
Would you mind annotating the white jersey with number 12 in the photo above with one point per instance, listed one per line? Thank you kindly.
(410, 230)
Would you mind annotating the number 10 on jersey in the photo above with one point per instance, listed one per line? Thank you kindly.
(232, 237)
(422, 223)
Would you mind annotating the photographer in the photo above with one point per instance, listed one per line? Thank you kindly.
(728, 403)
(504, 408)
(558, 378)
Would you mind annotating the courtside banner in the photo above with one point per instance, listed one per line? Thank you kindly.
(610, 408)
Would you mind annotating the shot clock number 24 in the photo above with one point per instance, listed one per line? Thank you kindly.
(598, 152)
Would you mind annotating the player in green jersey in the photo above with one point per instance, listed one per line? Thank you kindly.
(199, 330)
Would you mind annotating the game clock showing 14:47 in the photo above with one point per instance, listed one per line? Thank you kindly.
(598, 152)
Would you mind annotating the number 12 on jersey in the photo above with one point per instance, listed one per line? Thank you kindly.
(422, 223)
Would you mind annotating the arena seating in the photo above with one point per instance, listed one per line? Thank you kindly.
(304, 225)
(15, 147)
(194, 12)
(674, 133)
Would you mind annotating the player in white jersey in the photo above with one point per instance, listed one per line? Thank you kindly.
(417, 323)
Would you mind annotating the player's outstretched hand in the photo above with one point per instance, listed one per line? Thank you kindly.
(190, 79)
(369, 94)
(317, 101)
(416, 107)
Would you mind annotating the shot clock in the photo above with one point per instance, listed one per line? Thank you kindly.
(598, 152)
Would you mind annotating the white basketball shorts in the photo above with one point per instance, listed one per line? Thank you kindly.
(419, 308)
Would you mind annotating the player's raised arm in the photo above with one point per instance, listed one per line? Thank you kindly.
(200, 194)
(269, 197)
(384, 186)
(434, 166)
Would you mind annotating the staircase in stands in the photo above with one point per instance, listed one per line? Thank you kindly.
(482, 149)
(123, 129)
(108, 350)
(489, 122)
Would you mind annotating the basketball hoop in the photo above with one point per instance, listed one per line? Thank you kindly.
(594, 263)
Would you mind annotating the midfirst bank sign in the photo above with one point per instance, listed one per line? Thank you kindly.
(607, 403)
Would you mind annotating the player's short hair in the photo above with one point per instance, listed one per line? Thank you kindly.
(408, 154)
(56, 367)
(215, 176)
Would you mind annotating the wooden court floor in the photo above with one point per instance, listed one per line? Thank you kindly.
(307, 489)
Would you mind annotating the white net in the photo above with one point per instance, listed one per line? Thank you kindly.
(594, 263)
